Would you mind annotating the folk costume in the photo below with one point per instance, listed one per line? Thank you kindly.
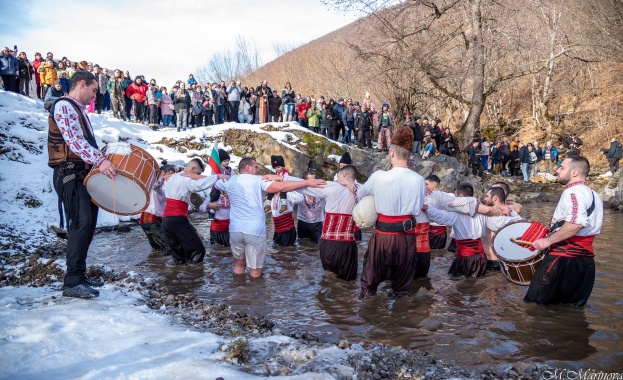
(347, 160)
(285, 232)
(399, 196)
(186, 245)
(338, 249)
(309, 214)
(151, 219)
(278, 161)
(567, 273)
(72, 152)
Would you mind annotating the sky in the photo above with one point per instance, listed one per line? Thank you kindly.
(162, 39)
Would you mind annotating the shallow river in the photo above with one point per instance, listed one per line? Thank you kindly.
(471, 322)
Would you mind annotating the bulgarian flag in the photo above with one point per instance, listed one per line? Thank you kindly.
(214, 161)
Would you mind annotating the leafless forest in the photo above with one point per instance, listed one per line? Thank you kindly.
(538, 68)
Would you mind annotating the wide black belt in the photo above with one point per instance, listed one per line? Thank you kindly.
(404, 226)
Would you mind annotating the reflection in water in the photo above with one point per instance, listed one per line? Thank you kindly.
(486, 316)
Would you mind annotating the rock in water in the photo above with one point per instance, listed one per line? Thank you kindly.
(364, 213)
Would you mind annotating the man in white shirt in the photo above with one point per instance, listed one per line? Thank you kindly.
(309, 214)
(186, 245)
(398, 196)
(567, 273)
(247, 228)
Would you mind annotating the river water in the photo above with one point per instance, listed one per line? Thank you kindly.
(472, 322)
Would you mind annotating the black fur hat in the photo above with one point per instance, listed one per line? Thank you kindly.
(277, 161)
(346, 159)
(223, 155)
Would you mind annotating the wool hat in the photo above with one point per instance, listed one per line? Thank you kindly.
(340, 100)
(403, 138)
(346, 159)
(277, 161)
(385, 105)
(223, 155)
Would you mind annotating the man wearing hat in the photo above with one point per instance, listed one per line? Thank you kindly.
(385, 125)
(186, 245)
(219, 202)
(398, 197)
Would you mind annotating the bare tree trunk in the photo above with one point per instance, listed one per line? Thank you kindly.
(472, 123)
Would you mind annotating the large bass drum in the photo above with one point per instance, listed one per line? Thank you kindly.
(518, 262)
(128, 194)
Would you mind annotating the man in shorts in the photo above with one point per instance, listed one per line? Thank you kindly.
(247, 228)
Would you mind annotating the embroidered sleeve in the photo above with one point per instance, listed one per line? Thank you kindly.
(69, 124)
(577, 209)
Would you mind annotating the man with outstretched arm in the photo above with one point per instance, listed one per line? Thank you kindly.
(247, 228)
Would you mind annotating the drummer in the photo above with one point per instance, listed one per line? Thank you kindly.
(186, 245)
(468, 229)
(576, 221)
(72, 152)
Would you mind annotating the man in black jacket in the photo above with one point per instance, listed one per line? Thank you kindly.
(524, 158)
(614, 154)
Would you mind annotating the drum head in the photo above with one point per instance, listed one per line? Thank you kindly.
(122, 197)
(505, 249)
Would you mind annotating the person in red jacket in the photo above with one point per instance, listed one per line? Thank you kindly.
(137, 91)
(302, 112)
(36, 63)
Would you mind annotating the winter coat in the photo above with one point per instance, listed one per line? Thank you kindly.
(287, 97)
(342, 112)
(126, 83)
(244, 109)
(8, 65)
(313, 117)
(181, 102)
(120, 88)
(65, 84)
(35, 64)
(165, 105)
(274, 105)
(48, 74)
(447, 145)
(52, 94)
(152, 99)
(139, 92)
(25, 68)
(234, 93)
(323, 118)
(379, 118)
(496, 155)
(102, 82)
(615, 151)
(302, 110)
(191, 80)
(553, 154)
(363, 121)
(524, 155)
(331, 116)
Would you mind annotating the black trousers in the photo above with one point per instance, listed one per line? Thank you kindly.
(363, 139)
(184, 240)
(233, 106)
(9, 83)
(128, 107)
(81, 216)
(153, 115)
(99, 102)
(139, 111)
(312, 231)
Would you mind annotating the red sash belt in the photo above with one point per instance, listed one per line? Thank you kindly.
(220, 225)
(422, 242)
(575, 246)
(283, 222)
(437, 230)
(469, 247)
(147, 218)
(339, 227)
(175, 207)
(395, 219)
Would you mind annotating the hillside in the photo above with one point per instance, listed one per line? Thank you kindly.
(582, 91)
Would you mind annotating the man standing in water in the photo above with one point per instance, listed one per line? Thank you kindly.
(398, 196)
(247, 228)
(567, 273)
(73, 151)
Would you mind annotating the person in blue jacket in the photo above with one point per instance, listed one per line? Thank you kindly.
(549, 154)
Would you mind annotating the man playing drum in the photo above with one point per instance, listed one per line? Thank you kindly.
(567, 273)
(72, 151)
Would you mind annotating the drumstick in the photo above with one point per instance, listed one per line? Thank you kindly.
(517, 241)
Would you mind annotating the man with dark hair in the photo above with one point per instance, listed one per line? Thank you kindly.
(576, 221)
(247, 229)
(186, 245)
(437, 234)
(72, 152)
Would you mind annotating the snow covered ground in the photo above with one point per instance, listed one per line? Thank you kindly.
(26, 179)
(46, 336)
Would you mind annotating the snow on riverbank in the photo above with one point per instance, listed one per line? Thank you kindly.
(29, 202)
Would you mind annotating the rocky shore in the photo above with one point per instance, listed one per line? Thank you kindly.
(363, 360)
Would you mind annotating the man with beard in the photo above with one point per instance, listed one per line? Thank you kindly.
(567, 273)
